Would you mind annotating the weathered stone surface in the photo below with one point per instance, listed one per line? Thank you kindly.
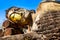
(31, 36)
(34, 36)
(48, 20)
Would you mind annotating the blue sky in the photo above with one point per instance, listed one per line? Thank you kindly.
(5, 4)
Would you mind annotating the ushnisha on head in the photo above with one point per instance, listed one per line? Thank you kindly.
(18, 15)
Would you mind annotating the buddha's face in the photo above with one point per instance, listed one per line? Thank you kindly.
(17, 15)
